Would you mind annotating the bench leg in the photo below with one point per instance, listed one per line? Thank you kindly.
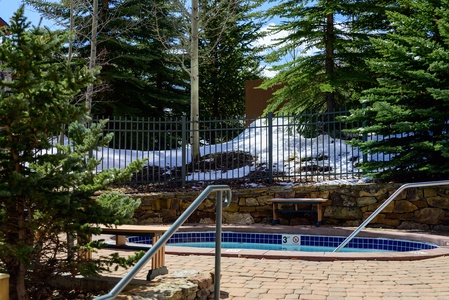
(157, 261)
(275, 214)
(319, 212)
(120, 240)
(84, 254)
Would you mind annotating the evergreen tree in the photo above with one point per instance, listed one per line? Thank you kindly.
(230, 62)
(408, 108)
(193, 20)
(45, 193)
(138, 76)
(328, 41)
(143, 78)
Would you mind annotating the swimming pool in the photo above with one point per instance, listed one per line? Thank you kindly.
(288, 242)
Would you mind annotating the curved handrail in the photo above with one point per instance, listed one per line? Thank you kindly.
(166, 236)
(380, 208)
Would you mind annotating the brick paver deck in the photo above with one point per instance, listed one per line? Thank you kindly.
(248, 278)
(295, 278)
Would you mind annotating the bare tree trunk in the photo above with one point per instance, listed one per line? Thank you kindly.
(194, 83)
(329, 60)
(93, 54)
(189, 43)
(72, 25)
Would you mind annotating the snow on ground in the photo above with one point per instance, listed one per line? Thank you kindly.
(291, 154)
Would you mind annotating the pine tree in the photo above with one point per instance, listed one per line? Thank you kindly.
(138, 76)
(46, 193)
(320, 61)
(408, 109)
(143, 78)
(231, 61)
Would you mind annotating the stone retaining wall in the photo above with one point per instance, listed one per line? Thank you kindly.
(348, 205)
(188, 287)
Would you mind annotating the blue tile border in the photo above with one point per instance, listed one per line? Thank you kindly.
(305, 240)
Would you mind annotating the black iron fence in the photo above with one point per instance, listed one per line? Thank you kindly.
(305, 148)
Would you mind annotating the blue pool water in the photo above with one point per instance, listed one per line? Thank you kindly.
(256, 246)
(288, 242)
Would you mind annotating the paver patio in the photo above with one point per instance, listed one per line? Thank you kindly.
(248, 278)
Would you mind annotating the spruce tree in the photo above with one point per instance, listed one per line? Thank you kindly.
(143, 78)
(138, 76)
(320, 60)
(408, 109)
(47, 191)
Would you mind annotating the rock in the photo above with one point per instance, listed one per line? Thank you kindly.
(176, 290)
(372, 191)
(384, 220)
(263, 200)
(430, 215)
(388, 209)
(207, 221)
(404, 206)
(184, 273)
(181, 285)
(343, 213)
(238, 218)
(365, 201)
(414, 194)
(233, 207)
(442, 228)
(247, 209)
(407, 225)
(439, 202)
(202, 294)
(251, 202)
(430, 192)
(336, 199)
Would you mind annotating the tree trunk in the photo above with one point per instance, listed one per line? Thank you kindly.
(93, 54)
(20, 283)
(17, 270)
(329, 60)
(194, 83)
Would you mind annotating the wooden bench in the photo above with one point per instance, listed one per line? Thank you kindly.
(155, 232)
(297, 202)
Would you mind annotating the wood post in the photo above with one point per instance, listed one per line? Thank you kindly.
(158, 259)
(4, 286)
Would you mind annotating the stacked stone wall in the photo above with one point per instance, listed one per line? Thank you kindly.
(347, 205)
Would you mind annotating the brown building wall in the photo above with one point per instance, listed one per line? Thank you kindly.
(256, 99)
(3, 23)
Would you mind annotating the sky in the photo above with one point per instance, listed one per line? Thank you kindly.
(9, 7)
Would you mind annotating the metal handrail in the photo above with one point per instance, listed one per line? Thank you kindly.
(219, 189)
(380, 208)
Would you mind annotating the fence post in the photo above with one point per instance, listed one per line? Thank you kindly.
(364, 138)
(184, 150)
(270, 147)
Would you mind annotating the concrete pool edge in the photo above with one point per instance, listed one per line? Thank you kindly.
(413, 235)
